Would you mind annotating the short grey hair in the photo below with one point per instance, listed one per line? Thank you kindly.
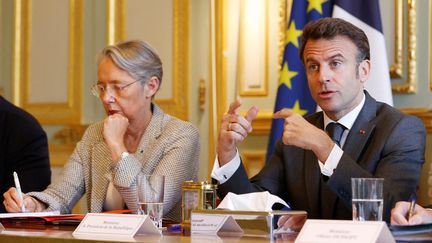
(136, 57)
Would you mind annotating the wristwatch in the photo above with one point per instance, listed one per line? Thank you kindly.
(124, 154)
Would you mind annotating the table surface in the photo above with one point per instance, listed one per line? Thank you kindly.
(39, 233)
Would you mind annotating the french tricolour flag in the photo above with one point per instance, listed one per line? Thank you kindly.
(365, 14)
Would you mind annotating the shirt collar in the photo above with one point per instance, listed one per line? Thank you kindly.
(348, 120)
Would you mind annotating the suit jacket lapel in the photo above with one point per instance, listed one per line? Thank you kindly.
(355, 142)
(313, 172)
(154, 130)
(361, 130)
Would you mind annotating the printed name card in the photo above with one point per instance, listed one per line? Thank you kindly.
(210, 224)
(344, 231)
(115, 225)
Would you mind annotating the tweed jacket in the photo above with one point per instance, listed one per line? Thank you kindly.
(383, 142)
(168, 147)
(24, 149)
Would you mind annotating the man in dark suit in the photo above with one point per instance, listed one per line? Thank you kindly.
(312, 170)
(24, 149)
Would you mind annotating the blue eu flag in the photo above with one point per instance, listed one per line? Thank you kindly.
(293, 92)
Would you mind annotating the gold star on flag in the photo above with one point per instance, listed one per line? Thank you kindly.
(296, 108)
(292, 35)
(315, 4)
(286, 76)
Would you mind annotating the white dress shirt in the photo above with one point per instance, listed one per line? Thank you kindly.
(113, 200)
(222, 174)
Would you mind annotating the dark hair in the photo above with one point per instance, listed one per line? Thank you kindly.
(329, 28)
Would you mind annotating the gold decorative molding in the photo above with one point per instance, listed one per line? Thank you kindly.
(20, 48)
(64, 142)
(69, 134)
(249, 87)
(284, 14)
(212, 122)
(202, 94)
(218, 74)
(396, 69)
(59, 154)
(47, 113)
(115, 12)
(221, 59)
(262, 123)
(178, 104)
(430, 47)
(253, 161)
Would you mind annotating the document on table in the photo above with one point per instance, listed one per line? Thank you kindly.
(26, 215)
(410, 229)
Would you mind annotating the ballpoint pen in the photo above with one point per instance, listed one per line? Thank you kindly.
(412, 206)
(18, 188)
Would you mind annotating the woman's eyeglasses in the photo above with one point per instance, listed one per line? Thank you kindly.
(114, 89)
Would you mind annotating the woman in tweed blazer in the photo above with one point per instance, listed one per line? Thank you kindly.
(136, 138)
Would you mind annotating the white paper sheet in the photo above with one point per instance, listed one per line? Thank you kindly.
(24, 215)
(256, 201)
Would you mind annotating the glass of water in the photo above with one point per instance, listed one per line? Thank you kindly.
(367, 199)
(151, 196)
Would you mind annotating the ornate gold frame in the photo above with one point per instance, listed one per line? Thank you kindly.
(261, 90)
(396, 69)
(47, 113)
(255, 161)
(430, 46)
(115, 12)
(218, 81)
(178, 104)
(262, 124)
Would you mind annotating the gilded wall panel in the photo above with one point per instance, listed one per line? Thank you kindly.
(252, 49)
(228, 84)
(172, 44)
(255, 161)
(430, 46)
(404, 67)
(47, 55)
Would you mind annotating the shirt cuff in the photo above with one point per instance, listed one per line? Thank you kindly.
(222, 174)
(332, 161)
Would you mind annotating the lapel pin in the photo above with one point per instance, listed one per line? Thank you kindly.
(362, 131)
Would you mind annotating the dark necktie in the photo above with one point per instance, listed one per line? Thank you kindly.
(335, 131)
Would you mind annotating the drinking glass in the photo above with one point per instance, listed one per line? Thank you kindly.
(367, 199)
(151, 196)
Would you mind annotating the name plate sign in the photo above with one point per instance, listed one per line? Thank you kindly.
(344, 231)
(208, 224)
(115, 225)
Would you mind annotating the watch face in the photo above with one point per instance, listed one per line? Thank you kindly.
(124, 155)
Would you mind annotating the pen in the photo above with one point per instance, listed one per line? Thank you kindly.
(18, 188)
(412, 206)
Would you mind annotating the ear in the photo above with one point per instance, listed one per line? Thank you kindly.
(364, 70)
(152, 87)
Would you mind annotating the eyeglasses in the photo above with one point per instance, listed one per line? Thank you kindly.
(115, 89)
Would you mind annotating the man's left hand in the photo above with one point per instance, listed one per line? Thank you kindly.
(300, 133)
